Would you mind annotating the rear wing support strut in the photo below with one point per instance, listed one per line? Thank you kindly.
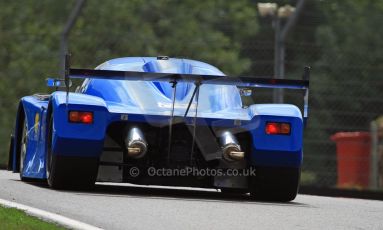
(174, 86)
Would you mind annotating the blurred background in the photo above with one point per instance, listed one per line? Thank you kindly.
(340, 39)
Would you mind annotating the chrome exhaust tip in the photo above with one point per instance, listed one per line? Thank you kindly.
(135, 143)
(231, 150)
(236, 155)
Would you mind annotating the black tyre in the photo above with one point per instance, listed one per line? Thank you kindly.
(63, 172)
(10, 154)
(275, 184)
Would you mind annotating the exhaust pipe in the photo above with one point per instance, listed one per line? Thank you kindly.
(231, 150)
(135, 143)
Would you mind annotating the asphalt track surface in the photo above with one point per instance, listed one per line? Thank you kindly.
(115, 206)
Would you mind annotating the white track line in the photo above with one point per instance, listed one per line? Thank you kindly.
(48, 216)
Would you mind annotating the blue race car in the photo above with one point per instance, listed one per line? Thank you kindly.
(161, 121)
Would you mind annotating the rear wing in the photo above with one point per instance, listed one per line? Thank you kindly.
(190, 78)
(174, 78)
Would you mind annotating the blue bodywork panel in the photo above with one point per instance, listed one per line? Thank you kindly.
(151, 102)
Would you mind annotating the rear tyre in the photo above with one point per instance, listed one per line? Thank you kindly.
(10, 154)
(63, 172)
(275, 183)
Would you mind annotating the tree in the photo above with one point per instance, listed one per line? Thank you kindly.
(351, 63)
(346, 83)
(210, 31)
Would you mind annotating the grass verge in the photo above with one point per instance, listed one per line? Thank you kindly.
(13, 219)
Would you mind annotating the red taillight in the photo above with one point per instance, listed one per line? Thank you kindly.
(272, 128)
(81, 117)
(275, 128)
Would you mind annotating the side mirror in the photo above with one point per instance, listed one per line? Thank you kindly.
(57, 83)
(245, 92)
(51, 82)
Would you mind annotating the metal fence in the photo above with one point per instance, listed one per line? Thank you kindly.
(343, 98)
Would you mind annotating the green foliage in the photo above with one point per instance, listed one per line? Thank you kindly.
(351, 64)
(346, 86)
(352, 35)
(210, 31)
(342, 39)
(28, 43)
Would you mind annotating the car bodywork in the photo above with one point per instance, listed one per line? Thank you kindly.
(183, 108)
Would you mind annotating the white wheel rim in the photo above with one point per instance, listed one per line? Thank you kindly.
(48, 158)
(23, 150)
